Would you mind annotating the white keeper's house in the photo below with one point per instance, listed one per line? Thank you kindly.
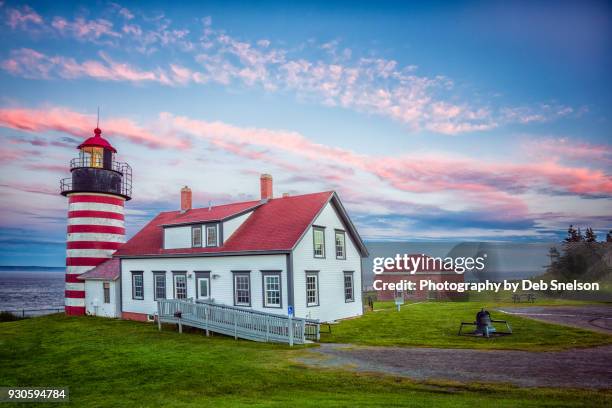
(297, 252)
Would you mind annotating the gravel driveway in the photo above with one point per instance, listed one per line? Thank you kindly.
(597, 318)
(579, 368)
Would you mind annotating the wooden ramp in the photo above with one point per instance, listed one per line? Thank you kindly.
(237, 322)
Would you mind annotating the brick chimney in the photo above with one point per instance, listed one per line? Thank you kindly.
(266, 186)
(185, 199)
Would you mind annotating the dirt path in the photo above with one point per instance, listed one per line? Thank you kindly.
(596, 318)
(580, 368)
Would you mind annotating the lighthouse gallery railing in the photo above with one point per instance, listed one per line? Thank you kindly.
(120, 167)
(237, 322)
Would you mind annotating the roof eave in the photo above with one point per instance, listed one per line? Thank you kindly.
(98, 278)
(352, 229)
(206, 254)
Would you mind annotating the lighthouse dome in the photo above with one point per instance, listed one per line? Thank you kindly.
(97, 141)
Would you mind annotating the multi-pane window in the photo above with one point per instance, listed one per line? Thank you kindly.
(211, 235)
(106, 287)
(319, 242)
(180, 286)
(340, 245)
(242, 289)
(312, 289)
(137, 286)
(348, 287)
(159, 283)
(272, 290)
(196, 236)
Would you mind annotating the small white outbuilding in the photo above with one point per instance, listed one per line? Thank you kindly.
(103, 289)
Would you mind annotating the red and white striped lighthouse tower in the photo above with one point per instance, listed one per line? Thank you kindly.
(96, 193)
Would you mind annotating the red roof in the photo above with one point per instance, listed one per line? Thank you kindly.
(274, 225)
(107, 270)
(97, 141)
(216, 213)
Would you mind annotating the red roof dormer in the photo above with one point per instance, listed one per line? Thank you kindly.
(97, 141)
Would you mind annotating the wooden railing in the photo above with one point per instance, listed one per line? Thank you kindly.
(237, 322)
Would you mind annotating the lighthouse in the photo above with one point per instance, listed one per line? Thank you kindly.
(97, 190)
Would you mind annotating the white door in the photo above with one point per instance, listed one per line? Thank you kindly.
(203, 288)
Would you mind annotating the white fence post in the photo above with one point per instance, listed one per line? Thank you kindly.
(206, 319)
(235, 325)
(290, 331)
(159, 316)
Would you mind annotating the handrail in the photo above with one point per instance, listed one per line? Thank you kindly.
(237, 322)
(86, 161)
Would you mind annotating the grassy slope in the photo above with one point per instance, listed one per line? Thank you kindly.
(118, 363)
(435, 324)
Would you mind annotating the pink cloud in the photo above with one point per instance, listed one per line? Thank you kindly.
(419, 174)
(22, 18)
(566, 149)
(82, 29)
(35, 65)
(375, 86)
(66, 121)
(492, 186)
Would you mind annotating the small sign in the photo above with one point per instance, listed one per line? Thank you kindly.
(399, 301)
(290, 310)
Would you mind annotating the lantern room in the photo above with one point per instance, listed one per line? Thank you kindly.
(97, 151)
(97, 171)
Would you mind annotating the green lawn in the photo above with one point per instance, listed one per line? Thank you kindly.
(112, 363)
(435, 324)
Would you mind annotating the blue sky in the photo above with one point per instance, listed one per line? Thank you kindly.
(437, 121)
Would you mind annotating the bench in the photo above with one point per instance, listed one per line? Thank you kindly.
(528, 297)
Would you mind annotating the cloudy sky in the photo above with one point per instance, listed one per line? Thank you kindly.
(458, 122)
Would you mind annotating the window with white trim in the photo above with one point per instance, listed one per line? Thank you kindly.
(312, 289)
(340, 245)
(242, 289)
(137, 286)
(180, 286)
(349, 293)
(196, 236)
(272, 290)
(106, 288)
(159, 284)
(211, 235)
(318, 239)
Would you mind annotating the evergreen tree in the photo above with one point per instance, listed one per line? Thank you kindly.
(590, 235)
(571, 234)
(554, 255)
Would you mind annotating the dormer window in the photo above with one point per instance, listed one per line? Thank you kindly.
(211, 235)
(196, 236)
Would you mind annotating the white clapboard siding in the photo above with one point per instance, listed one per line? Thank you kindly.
(221, 287)
(331, 272)
(94, 298)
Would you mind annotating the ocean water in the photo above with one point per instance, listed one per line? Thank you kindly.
(31, 289)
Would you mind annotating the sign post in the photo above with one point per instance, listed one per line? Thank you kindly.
(399, 301)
